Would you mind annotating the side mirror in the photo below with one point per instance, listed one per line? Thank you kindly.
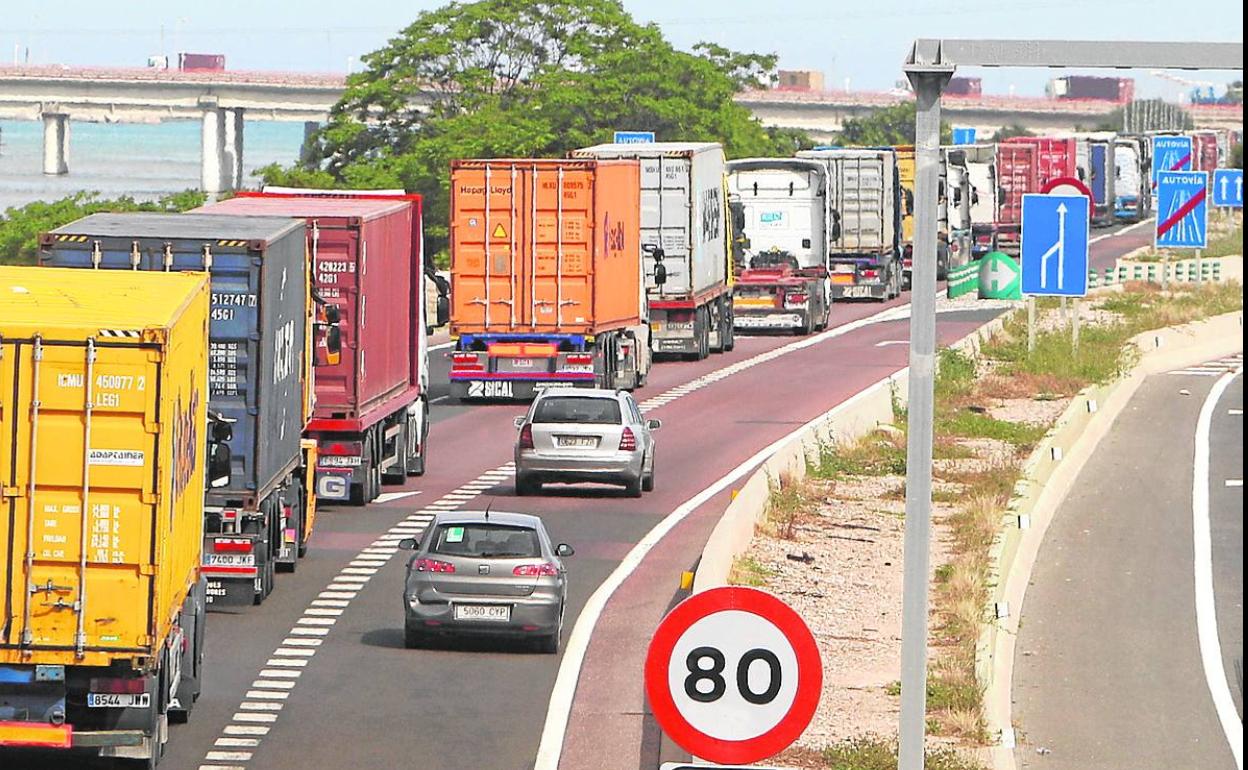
(333, 314)
(519, 422)
(333, 346)
(564, 550)
(836, 225)
(222, 431)
(219, 460)
(408, 544)
(660, 274)
(444, 310)
(654, 424)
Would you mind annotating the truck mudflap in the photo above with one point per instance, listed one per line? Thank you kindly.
(231, 570)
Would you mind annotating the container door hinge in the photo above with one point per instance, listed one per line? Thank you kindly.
(12, 492)
(149, 498)
(152, 427)
(147, 569)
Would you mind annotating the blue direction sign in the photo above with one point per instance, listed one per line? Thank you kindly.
(1182, 210)
(1171, 153)
(1055, 245)
(634, 137)
(963, 135)
(1228, 187)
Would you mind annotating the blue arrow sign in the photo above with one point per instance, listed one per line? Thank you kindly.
(1182, 210)
(1171, 153)
(1228, 187)
(1054, 251)
(634, 137)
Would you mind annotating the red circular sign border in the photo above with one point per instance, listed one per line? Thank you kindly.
(809, 664)
(1071, 181)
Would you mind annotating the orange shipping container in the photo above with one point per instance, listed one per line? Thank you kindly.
(554, 247)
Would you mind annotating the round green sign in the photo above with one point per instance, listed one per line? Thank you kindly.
(1000, 277)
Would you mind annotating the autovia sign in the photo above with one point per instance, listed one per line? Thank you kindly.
(634, 137)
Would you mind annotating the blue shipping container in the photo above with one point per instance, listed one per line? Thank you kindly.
(257, 328)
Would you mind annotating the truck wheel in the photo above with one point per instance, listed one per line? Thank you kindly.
(416, 467)
(703, 333)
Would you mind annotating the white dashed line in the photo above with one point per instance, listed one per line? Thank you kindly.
(1234, 482)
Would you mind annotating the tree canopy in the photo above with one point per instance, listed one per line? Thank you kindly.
(496, 78)
(886, 127)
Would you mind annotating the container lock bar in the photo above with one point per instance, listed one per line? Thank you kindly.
(207, 252)
(28, 637)
(166, 257)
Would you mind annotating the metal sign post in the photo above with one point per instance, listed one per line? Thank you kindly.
(929, 66)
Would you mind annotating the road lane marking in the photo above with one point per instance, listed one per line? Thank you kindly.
(560, 705)
(1234, 482)
(259, 730)
(1235, 412)
(1206, 608)
(267, 695)
(389, 497)
(237, 743)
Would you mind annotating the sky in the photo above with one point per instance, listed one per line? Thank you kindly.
(861, 46)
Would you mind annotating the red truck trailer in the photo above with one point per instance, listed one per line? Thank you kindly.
(371, 417)
(1018, 171)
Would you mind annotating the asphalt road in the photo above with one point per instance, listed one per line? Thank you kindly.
(1108, 671)
(364, 700)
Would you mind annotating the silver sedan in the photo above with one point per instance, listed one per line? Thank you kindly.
(581, 435)
(485, 573)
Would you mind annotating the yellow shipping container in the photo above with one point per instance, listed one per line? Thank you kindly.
(103, 421)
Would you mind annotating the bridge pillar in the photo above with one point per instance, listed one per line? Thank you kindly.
(310, 127)
(233, 148)
(213, 161)
(55, 142)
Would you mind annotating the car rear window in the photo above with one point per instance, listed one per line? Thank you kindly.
(486, 541)
(578, 409)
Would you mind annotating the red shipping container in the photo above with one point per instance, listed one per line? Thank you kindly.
(1204, 151)
(965, 87)
(1018, 175)
(367, 261)
(212, 62)
(1055, 158)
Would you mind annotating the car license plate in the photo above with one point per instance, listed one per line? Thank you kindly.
(496, 613)
(579, 442)
(116, 700)
(230, 559)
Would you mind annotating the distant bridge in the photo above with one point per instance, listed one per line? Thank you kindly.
(56, 95)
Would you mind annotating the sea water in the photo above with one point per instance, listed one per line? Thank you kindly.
(141, 160)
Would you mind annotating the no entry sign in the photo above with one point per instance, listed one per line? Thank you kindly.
(733, 675)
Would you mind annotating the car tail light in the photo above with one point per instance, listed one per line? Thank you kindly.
(535, 570)
(628, 442)
(433, 565)
(526, 436)
(580, 359)
(117, 686)
(231, 545)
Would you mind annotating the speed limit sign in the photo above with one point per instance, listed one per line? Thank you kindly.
(733, 675)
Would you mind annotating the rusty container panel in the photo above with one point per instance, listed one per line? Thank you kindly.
(552, 247)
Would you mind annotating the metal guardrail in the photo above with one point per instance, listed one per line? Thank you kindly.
(1156, 272)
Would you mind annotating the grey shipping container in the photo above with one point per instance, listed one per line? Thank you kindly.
(862, 189)
(257, 326)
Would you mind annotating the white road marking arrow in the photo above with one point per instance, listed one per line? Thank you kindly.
(1000, 275)
(1058, 248)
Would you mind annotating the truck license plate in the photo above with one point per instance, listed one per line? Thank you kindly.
(587, 442)
(116, 700)
(496, 613)
(229, 560)
(857, 291)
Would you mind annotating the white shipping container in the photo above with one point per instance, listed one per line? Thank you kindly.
(682, 210)
(862, 188)
(785, 206)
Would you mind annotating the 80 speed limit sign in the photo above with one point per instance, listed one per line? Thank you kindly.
(733, 675)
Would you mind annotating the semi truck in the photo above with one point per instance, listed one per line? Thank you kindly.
(864, 251)
(683, 228)
(547, 283)
(971, 206)
(780, 222)
(371, 418)
(105, 451)
(259, 371)
(905, 179)
(1133, 196)
(1102, 176)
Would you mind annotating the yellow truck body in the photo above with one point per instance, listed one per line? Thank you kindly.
(905, 177)
(103, 414)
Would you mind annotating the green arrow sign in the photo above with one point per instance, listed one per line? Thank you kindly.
(999, 277)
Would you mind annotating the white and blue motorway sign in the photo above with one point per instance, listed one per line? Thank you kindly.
(1055, 245)
(1171, 153)
(963, 135)
(1228, 187)
(633, 137)
(1182, 210)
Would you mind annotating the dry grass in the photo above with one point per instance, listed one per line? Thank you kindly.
(1027, 385)
(790, 503)
(748, 571)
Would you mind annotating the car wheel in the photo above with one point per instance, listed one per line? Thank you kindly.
(549, 644)
(632, 487)
(647, 482)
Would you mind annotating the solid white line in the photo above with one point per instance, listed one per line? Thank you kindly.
(1234, 482)
(560, 705)
(1206, 609)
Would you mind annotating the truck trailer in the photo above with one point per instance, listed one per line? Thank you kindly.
(864, 251)
(259, 375)
(1133, 195)
(905, 179)
(1102, 175)
(684, 229)
(1019, 174)
(547, 283)
(104, 443)
(781, 217)
(371, 419)
(971, 204)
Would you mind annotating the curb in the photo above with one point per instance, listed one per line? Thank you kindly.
(1048, 475)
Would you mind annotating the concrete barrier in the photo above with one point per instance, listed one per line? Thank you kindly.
(1048, 475)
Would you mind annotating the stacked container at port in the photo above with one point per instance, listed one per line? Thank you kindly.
(547, 283)
(371, 421)
(780, 220)
(258, 373)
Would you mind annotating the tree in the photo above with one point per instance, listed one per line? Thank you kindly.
(1147, 115)
(885, 127)
(496, 78)
(1008, 132)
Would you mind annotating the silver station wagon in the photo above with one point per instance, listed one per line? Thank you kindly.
(573, 435)
(485, 573)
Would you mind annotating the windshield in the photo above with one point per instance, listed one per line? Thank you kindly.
(577, 409)
(486, 541)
